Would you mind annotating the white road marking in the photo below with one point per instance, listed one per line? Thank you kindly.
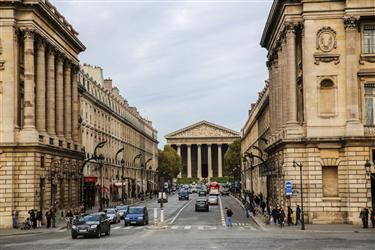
(115, 228)
(222, 213)
(200, 227)
(174, 227)
(127, 228)
(174, 218)
(138, 228)
(63, 230)
(187, 227)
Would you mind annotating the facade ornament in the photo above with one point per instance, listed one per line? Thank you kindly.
(326, 58)
(326, 39)
(351, 22)
(28, 33)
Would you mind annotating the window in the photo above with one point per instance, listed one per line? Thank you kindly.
(327, 98)
(369, 104)
(330, 181)
(369, 39)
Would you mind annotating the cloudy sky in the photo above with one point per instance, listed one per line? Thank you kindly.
(179, 62)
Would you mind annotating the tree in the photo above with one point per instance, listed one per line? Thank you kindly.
(232, 158)
(169, 163)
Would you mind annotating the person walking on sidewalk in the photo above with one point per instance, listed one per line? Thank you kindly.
(53, 216)
(289, 217)
(48, 218)
(39, 217)
(229, 214)
(364, 216)
(274, 214)
(298, 215)
(372, 217)
(281, 217)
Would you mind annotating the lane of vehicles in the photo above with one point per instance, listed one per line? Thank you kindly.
(113, 215)
(183, 194)
(122, 210)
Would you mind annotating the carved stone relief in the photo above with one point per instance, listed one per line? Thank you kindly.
(326, 42)
(205, 131)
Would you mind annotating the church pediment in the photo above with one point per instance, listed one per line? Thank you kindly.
(202, 130)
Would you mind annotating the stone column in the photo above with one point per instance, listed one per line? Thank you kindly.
(209, 161)
(291, 77)
(60, 98)
(75, 105)
(41, 87)
(199, 159)
(29, 83)
(189, 161)
(179, 154)
(68, 101)
(219, 161)
(279, 90)
(51, 93)
(354, 126)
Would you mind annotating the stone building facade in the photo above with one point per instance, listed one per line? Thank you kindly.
(40, 150)
(201, 147)
(107, 116)
(321, 61)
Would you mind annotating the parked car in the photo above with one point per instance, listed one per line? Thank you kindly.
(224, 191)
(201, 204)
(136, 216)
(213, 200)
(183, 195)
(202, 193)
(113, 215)
(122, 210)
(91, 225)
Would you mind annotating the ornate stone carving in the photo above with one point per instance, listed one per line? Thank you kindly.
(204, 131)
(326, 58)
(28, 33)
(366, 58)
(351, 22)
(326, 39)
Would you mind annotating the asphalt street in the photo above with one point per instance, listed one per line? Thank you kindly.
(186, 229)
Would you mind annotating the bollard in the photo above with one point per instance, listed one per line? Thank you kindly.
(155, 216)
(161, 216)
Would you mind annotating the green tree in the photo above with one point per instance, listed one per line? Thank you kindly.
(169, 163)
(232, 158)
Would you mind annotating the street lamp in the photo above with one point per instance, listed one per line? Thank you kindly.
(295, 164)
(100, 160)
(122, 173)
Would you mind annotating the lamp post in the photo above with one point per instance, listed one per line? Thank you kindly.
(122, 173)
(295, 164)
(100, 160)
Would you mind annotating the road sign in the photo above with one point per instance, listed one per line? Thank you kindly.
(288, 188)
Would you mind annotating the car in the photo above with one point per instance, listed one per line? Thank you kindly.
(224, 191)
(91, 225)
(122, 210)
(213, 200)
(183, 195)
(194, 190)
(136, 216)
(202, 193)
(201, 204)
(113, 215)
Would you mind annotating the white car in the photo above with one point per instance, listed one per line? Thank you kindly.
(213, 200)
(113, 215)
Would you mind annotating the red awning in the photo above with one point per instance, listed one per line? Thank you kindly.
(90, 179)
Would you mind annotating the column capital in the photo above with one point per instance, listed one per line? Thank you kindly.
(351, 22)
(41, 43)
(28, 33)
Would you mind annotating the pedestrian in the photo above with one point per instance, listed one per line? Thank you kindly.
(229, 214)
(33, 218)
(48, 218)
(274, 215)
(364, 216)
(53, 216)
(263, 206)
(39, 217)
(281, 217)
(372, 217)
(289, 216)
(298, 215)
(69, 219)
(247, 209)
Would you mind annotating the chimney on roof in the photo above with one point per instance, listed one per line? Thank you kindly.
(108, 83)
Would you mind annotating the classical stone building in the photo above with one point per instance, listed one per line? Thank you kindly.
(107, 116)
(319, 99)
(40, 150)
(202, 147)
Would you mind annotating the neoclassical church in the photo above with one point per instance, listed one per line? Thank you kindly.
(202, 147)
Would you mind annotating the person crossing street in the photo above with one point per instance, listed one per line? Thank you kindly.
(229, 214)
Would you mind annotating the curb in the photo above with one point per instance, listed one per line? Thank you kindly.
(31, 232)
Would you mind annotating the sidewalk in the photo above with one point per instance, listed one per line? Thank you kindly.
(10, 232)
(318, 228)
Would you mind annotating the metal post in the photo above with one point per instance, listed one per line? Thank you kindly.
(122, 183)
(101, 187)
(302, 212)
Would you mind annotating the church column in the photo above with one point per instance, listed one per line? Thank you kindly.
(199, 165)
(209, 161)
(179, 154)
(29, 102)
(60, 98)
(51, 93)
(219, 161)
(188, 161)
(41, 87)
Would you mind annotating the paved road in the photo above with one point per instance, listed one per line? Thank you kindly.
(187, 229)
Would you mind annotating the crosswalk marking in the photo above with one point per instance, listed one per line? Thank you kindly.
(174, 227)
(200, 227)
(115, 228)
(187, 227)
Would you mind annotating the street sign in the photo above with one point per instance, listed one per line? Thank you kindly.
(288, 188)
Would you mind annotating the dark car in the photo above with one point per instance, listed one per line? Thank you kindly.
(224, 191)
(201, 204)
(122, 210)
(183, 195)
(202, 193)
(91, 225)
(136, 216)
